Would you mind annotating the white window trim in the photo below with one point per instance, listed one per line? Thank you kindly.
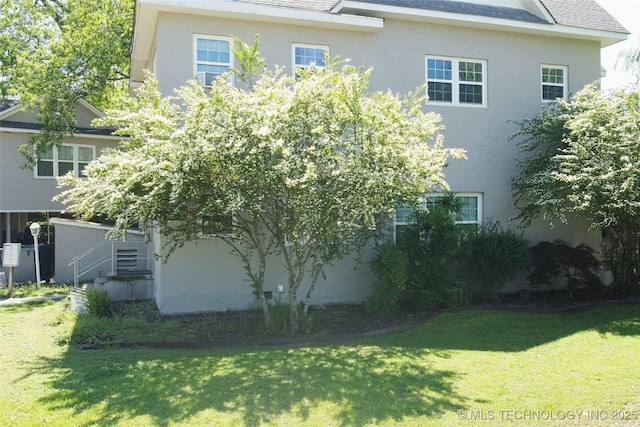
(455, 81)
(195, 56)
(564, 85)
(55, 160)
(295, 66)
(478, 196)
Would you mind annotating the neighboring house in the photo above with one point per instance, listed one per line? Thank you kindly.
(26, 193)
(485, 62)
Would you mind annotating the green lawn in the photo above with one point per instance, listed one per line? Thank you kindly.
(467, 368)
(30, 289)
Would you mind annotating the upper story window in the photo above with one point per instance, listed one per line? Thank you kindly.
(66, 158)
(305, 55)
(456, 81)
(212, 56)
(554, 82)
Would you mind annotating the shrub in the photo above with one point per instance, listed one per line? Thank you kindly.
(433, 246)
(98, 303)
(279, 315)
(456, 294)
(390, 267)
(424, 265)
(494, 255)
(578, 266)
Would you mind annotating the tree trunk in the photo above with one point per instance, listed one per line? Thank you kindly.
(294, 320)
(295, 279)
(317, 269)
(265, 310)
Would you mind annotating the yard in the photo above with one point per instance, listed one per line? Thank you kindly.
(474, 367)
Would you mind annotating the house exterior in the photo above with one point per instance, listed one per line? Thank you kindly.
(484, 63)
(26, 194)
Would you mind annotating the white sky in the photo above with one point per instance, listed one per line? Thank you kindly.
(627, 12)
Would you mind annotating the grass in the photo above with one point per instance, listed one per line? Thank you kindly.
(461, 368)
(30, 289)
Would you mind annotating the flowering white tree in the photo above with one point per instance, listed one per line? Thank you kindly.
(629, 61)
(308, 169)
(583, 161)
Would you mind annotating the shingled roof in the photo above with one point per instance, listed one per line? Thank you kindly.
(573, 13)
(466, 8)
(583, 14)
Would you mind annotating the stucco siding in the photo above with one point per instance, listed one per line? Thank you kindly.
(397, 54)
(204, 276)
(21, 190)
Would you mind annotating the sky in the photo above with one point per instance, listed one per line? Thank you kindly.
(627, 12)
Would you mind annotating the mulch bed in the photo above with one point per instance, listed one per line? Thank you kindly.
(332, 324)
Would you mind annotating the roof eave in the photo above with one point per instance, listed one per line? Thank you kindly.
(606, 38)
(29, 131)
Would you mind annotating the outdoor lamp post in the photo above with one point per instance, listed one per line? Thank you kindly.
(35, 232)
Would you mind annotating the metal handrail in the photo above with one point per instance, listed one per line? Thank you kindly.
(77, 272)
(91, 250)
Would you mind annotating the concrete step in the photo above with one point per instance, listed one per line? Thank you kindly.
(126, 288)
(129, 274)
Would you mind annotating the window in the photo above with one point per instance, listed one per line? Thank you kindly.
(471, 212)
(215, 225)
(305, 55)
(456, 81)
(67, 158)
(212, 57)
(554, 82)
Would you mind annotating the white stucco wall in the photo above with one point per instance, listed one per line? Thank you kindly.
(21, 190)
(397, 54)
(205, 276)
